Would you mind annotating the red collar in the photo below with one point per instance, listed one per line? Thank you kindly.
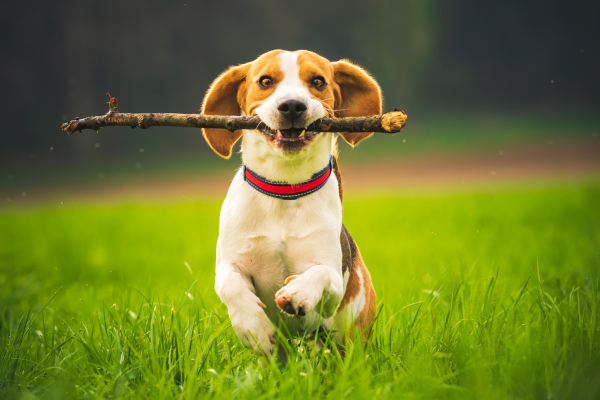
(286, 191)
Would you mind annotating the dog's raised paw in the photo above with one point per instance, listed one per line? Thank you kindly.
(289, 308)
(285, 305)
(297, 297)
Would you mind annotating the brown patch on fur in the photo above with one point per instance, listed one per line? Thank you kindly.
(348, 250)
(349, 92)
(221, 99)
(311, 65)
(338, 176)
(367, 315)
(237, 90)
(360, 96)
(352, 261)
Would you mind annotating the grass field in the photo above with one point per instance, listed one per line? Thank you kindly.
(482, 295)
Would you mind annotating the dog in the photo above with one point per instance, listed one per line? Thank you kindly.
(282, 246)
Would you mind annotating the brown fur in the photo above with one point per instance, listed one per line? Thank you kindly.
(338, 175)
(367, 315)
(350, 92)
(351, 261)
(349, 250)
(360, 95)
(218, 101)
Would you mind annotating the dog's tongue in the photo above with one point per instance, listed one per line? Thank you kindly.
(291, 133)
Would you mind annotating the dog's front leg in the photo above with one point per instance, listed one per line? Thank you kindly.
(248, 319)
(302, 293)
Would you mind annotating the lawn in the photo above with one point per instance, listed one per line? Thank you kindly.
(482, 294)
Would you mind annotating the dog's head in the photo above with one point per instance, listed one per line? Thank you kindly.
(289, 91)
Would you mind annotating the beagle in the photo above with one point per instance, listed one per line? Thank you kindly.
(282, 245)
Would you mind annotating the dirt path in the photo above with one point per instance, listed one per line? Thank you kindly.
(533, 162)
(544, 161)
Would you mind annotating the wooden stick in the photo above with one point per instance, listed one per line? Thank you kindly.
(391, 122)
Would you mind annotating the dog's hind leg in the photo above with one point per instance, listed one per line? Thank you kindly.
(358, 307)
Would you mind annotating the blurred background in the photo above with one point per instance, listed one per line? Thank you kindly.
(495, 179)
(494, 90)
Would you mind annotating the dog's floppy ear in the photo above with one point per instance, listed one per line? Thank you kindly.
(222, 99)
(359, 96)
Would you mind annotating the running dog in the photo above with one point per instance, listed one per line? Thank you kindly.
(282, 245)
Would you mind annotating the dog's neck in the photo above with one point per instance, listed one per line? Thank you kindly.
(265, 161)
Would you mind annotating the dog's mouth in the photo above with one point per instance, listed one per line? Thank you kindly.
(289, 135)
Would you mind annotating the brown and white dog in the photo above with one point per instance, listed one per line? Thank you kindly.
(290, 254)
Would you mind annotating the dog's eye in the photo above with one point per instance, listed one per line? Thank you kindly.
(265, 81)
(318, 82)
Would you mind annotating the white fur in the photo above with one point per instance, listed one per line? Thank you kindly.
(361, 299)
(291, 87)
(267, 162)
(345, 318)
(264, 240)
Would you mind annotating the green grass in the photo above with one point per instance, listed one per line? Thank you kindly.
(500, 302)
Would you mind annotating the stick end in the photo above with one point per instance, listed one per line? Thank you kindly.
(70, 127)
(394, 121)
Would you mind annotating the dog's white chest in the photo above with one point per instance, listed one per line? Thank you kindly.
(269, 239)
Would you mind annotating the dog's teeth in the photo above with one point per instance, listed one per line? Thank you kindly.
(278, 133)
(302, 134)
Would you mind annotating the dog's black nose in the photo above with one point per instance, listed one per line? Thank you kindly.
(292, 109)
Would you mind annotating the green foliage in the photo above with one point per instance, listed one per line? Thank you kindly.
(481, 295)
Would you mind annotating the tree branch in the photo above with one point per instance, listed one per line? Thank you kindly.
(391, 122)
